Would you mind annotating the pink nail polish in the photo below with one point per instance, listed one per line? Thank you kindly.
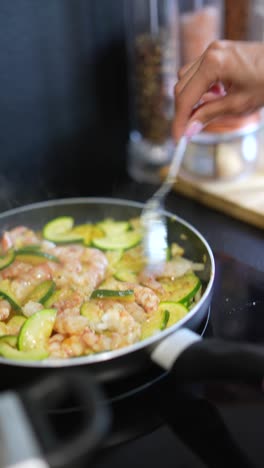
(193, 128)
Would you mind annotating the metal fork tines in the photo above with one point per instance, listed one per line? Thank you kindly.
(155, 241)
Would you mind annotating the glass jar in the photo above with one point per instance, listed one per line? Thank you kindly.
(153, 52)
(201, 22)
(227, 149)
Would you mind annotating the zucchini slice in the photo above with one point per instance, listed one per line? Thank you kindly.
(112, 228)
(126, 275)
(123, 241)
(59, 230)
(35, 256)
(15, 323)
(6, 293)
(36, 330)
(42, 292)
(91, 311)
(166, 315)
(11, 340)
(7, 259)
(127, 294)
(9, 352)
(87, 232)
(3, 328)
(182, 289)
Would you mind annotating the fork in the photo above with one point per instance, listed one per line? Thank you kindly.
(155, 241)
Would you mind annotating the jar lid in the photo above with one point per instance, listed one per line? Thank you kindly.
(231, 123)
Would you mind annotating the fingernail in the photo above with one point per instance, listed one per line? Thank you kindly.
(193, 128)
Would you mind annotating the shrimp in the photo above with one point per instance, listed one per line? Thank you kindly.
(68, 302)
(144, 296)
(83, 267)
(18, 237)
(25, 277)
(54, 345)
(149, 280)
(70, 324)
(5, 309)
(61, 346)
(31, 307)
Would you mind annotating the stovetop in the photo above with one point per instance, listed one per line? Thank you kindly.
(159, 422)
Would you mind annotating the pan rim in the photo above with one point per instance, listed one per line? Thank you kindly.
(140, 345)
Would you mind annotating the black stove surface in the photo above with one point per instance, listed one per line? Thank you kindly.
(157, 422)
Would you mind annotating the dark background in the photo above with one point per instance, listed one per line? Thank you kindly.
(63, 98)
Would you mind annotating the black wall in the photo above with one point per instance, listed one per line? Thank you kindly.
(63, 98)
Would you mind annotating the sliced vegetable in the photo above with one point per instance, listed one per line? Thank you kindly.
(36, 330)
(6, 293)
(113, 294)
(3, 328)
(113, 228)
(123, 241)
(165, 319)
(59, 230)
(11, 340)
(87, 232)
(42, 292)
(92, 312)
(35, 256)
(166, 315)
(182, 289)
(15, 323)
(7, 259)
(176, 312)
(31, 247)
(132, 260)
(10, 352)
(52, 299)
(126, 276)
(113, 257)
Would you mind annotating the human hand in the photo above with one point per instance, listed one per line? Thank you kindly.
(228, 79)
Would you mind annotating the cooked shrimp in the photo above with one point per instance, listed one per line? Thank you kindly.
(68, 302)
(54, 345)
(25, 277)
(150, 281)
(83, 267)
(31, 307)
(70, 324)
(5, 309)
(18, 237)
(144, 296)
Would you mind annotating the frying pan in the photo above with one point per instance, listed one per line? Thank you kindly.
(177, 349)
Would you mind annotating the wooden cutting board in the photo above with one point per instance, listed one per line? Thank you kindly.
(242, 199)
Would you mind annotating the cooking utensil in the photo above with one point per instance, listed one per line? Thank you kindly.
(27, 435)
(153, 220)
(177, 348)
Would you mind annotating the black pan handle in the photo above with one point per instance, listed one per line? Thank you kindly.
(87, 427)
(191, 358)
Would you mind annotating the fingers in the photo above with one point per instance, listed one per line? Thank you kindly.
(189, 96)
(185, 74)
(202, 81)
(233, 104)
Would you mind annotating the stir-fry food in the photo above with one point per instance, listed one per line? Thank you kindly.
(74, 290)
